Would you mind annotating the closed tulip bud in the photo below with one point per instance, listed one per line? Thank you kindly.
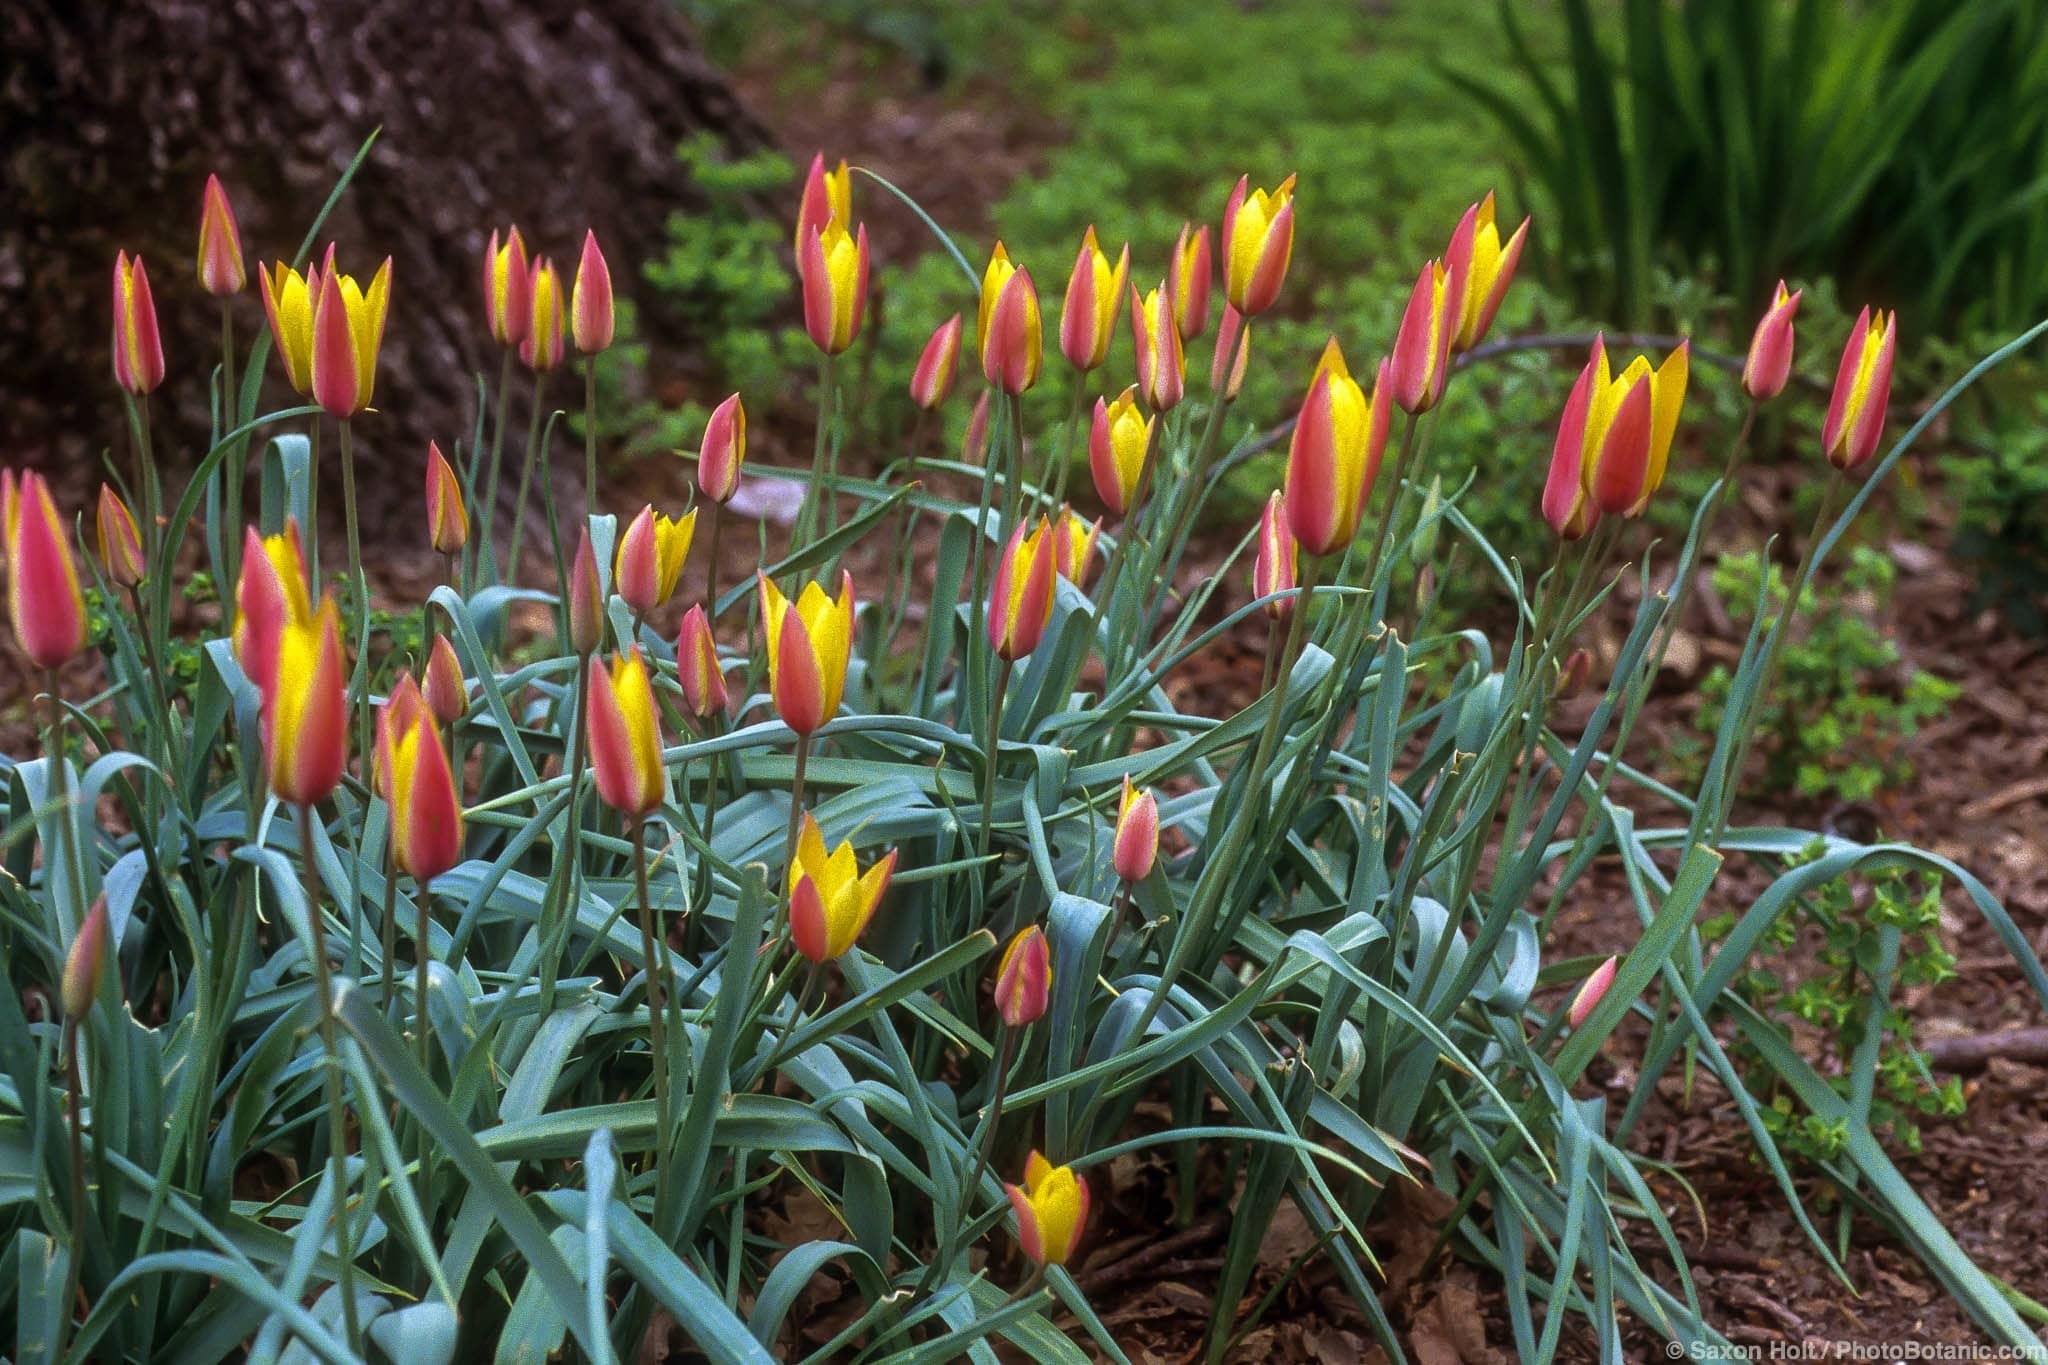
(1189, 275)
(418, 785)
(1073, 545)
(1094, 293)
(508, 289)
(447, 695)
(1011, 335)
(270, 594)
(138, 348)
(937, 367)
(542, 349)
(1422, 348)
(1258, 241)
(625, 736)
(1769, 363)
(1576, 673)
(305, 709)
(650, 558)
(698, 665)
(828, 199)
(830, 899)
(288, 302)
(1863, 388)
(586, 600)
(809, 642)
(974, 443)
(1226, 387)
(1117, 442)
(591, 318)
(1162, 373)
(84, 963)
(1136, 846)
(1486, 266)
(348, 331)
(221, 270)
(1024, 978)
(43, 596)
(1052, 1211)
(1275, 567)
(724, 451)
(1589, 993)
(120, 542)
(1613, 440)
(1334, 456)
(447, 518)
(1020, 599)
(832, 268)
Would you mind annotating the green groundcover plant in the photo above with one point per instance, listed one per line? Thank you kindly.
(439, 985)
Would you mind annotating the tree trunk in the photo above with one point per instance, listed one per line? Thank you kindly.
(556, 114)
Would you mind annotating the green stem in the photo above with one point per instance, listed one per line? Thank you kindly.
(235, 471)
(554, 917)
(1105, 593)
(75, 1082)
(656, 1003)
(995, 739)
(796, 804)
(815, 494)
(489, 511)
(387, 927)
(423, 956)
(312, 526)
(337, 1112)
(590, 436)
(1005, 1055)
(711, 567)
(525, 478)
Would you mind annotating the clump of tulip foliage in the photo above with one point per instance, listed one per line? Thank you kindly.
(421, 1006)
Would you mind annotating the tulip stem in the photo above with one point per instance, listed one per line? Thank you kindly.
(995, 739)
(711, 567)
(490, 507)
(1106, 594)
(590, 437)
(387, 926)
(1013, 469)
(650, 950)
(312, 526)
(75, 1082)
(359, 682)
(985, 1141)
(525, 478)
(814, 978)
(807, 520)
(796, 805)
(237, 468)
(337, 1113)
(423, 956)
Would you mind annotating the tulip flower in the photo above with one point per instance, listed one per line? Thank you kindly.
(974, 441)
(447, 519)
(508, 289)
(832, 267)
(84, 963)
(1863, 388)
(1073, 545)
(830, 899)
(1486, 266)
(1258, 240)
(1334, 455)
(586, 600)
(221, 270)
(1275, 567)
(650, 558)
(809, 641)
(1226, 341)
(138, 348)
(542, 349)
(625, 736)
(1613, 440)
(1024, 978)
(1575, 672)
(270, 594)
(120, 542)
(1422, 348)
(828, 199)
(1052, 1211)
(937, 367)
(43, 596)
(591, 319)
(724, 451)
(416, 780)
(1769, 362)
(1117, 442)
(698, 665)
(305, 708)
(1020, 600)
(288, 300)
(1136, 845)
(348, 330)
(1189, 274)
(447, 695)
(1587, 997)
(1010, 334)
(1161, 366)
(1094, 293)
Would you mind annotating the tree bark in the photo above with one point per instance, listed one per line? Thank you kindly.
(556, 114)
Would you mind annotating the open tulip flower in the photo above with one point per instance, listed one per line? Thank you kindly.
(347, 332)
(830, 899)
(828, 199)
(832, 267)
(650, 559)
(1094, 294)
(1863, 389)
(1486, 266)
(1052, 1211)
(1258, 243)
(288, 301)
(809, 643)
(1117, 441)
(1613, 440)
(43, 597)
(1020, 603)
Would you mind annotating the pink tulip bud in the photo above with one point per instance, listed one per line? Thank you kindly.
(138, 348)
(1769, 362)
(83, 964)
(1863, 389)
(447, 519)
(221, 269)
(1226, 337)
(120, 542)
(974, 445)
(586, 600)
(933, 378)
(1589, 993)
(724, 451)
(447, 695)
(1024, 978)
(1136, 845)
(1189, 275)
(590, 303)
(1422, 348)
(1274, 569)
(43, 595)
(1094, 293)
(697, 663)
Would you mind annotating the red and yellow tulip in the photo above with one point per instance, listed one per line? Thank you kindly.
(1010, 333)
(625, 736)
(586, 600)
(1334, 456)
(541, 351)
(650, 558)
(1422, 348)
(1590, 992)
(832, 267)
(288, 301)
(828, 199)
(347, 332)
(1486, 265)
(1117, 442)
(809, 642)
(447, 518)
(1024, 978)
(305, 708)
(508, 288)
(1020, 600)
(221, 269)
(1052, 1211)
(1073, 545)
(1275, 568)
(1094, 293)
(830, 899)
(270, 594)
(591, 319)
(120, 542)
(447, 695)
(43, 596)
(1189, 274)
(419, 786)
(1258, 242)
(1613, 440)
(1224, 386)
(1162, 368)
(1863, 389)
(1769, 362)
(698, 665)
(1136, 846)
(724, 451)
(937, 366)
(138, 347)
